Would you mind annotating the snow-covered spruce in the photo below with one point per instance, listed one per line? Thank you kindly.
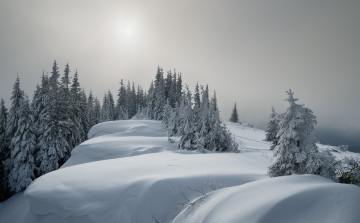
(200, 127)
(22, 149)
(14, 115)
(296, 151)
(273, 129)
(234, 115)
(3, 120)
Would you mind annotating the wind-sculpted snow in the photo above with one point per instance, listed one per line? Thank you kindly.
(128, 170)
(296, 199)
(125, 128)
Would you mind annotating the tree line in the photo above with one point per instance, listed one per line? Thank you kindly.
(37, 137)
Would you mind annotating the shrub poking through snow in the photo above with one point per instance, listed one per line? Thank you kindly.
(348, 170)
(296, 151)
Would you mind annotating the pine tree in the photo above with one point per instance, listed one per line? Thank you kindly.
(38, 103)
(105, 109)
(168, 84)
(122, 102)
(159, 95)
(234, 116)
(273, 129)
(174, 121)
(188, 138)
(54, 132)
(3, 120)
(179, 88)
(296, 151)
(167, 111)
(97, 111)
(67, 111)
(14, 115)
(22, 149)
(91, 110)
(133, 102)
(173, 92)
(84, 115)
(4, 152)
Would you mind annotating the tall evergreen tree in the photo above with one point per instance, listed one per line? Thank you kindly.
(104, 109)
(133, 102)
(188, 139)
(110, 106)
(234, 115)
(159, 95)
(273, 129)
(53, 130)
(179, 88)
(14, 115)
(22, 149)
(3, 120)
(296, 151)
(173, 92)
(38, 103)
(91, 109)
(4, 152)
(168, 83)
(97, 111)
(67, 109)
(84, 115)
(122, 103)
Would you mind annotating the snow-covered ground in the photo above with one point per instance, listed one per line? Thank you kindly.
(127, 171)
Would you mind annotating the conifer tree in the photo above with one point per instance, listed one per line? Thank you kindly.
(273, 128)
(179, 88)
(84, 115)
(133, 102)
(167, 111)
(174, 121)
(296, 151)
(234, 115)
(3, 120)
(67, 113)
(158, 95)
(14, 115)
(220, 137)
(105, 109)
(111, 106)
(188, 139)
(38, 103)
(22, 150)
(4, 151)
(173, 92)
(97, 111)
(122, 102)
(91, 110)
(168, 83)
(54, 131)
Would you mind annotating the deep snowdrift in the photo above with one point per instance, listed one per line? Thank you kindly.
(306, 198)
(128, 170)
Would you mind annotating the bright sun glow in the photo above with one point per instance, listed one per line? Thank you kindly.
(128, 31)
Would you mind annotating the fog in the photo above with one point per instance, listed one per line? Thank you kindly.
(250, 52)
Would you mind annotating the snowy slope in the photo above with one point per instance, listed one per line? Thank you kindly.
(128, 170)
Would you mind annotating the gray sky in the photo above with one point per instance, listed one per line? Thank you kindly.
(250, 52)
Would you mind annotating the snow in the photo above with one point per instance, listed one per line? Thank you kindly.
(128, 170)
(305, 198)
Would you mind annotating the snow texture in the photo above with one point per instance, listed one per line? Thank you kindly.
(128, 170)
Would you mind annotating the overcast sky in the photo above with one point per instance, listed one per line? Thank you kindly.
(250, 52)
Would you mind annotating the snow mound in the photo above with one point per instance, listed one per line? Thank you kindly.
(305, 198)
(128, 128)
(128, 170)
(118, 139)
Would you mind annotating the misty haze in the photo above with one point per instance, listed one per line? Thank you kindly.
(179, 111)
